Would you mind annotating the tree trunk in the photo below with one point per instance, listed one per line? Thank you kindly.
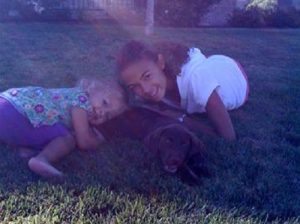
(149, 17)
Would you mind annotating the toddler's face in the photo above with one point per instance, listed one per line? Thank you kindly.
(105, 106)
(146, 79)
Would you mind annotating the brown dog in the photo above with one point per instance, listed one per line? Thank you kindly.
(179, 150)
(173, 144)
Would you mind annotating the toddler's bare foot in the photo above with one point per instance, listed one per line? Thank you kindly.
(26, 153)
(44, 169)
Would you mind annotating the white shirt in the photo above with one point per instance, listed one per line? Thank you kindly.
(200, 76)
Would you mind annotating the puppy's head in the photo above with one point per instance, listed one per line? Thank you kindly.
(173, 144)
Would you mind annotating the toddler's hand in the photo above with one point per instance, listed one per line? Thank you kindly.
(98, 135)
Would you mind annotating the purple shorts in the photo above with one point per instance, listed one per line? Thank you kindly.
(16, 129)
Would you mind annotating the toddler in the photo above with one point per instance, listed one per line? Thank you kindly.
(55, 121)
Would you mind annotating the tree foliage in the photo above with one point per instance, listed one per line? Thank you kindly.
(264, 5)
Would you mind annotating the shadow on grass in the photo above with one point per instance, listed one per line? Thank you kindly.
(245, 180)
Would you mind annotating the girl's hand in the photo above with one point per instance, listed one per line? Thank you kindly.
(86, 138)
(219, 116)
(98, 134)
(94, 139)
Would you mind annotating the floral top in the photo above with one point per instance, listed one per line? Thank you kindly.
(47, 106)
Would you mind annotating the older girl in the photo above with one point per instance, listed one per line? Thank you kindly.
(185, 79)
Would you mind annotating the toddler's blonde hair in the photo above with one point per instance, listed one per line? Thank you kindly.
(107, 86)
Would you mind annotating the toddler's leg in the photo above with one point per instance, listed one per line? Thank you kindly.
(53, 152)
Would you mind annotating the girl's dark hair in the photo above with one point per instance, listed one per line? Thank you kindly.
(174, 54)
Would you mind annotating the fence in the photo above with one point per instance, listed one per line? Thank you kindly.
(95, 4)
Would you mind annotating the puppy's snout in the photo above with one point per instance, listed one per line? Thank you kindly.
(171, 169)
(172, 165)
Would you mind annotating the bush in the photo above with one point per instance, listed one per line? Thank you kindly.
(252, 17)
(6, 6)
(28, 10)
(255, 17)
(284, 18)
(265, 13)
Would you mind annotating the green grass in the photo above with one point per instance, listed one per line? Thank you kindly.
(255, 179)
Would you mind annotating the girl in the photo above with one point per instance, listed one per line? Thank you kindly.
(184, 79)
(57, 120)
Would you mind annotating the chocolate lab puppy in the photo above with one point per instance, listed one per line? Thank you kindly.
(179, 150)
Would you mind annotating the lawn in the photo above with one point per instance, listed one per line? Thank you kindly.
(255, 179)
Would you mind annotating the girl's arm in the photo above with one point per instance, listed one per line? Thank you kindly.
(85, 136)
(219, 116)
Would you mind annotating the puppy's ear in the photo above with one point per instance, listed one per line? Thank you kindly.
(152, 140)
(196, 158)
(197, 145)
(198, 165)
(188, 176)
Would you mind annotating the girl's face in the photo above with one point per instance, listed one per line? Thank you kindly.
(104, 107)
(146, 79)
